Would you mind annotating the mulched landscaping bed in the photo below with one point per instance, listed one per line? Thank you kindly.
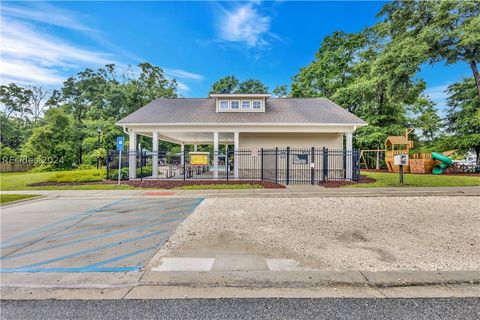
(162, 184)
(170, 184)
(341, 183)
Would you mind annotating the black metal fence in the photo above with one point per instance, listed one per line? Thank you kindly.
(281, 165)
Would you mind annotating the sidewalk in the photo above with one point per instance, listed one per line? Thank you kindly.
(289, 192)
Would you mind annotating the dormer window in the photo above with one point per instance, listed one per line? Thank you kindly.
(240, 102)
(257, 104)
(235, 104)
(223, 105)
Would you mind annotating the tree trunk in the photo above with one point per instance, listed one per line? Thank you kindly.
(476, 75)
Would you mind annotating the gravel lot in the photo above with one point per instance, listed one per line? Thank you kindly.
(371, 233)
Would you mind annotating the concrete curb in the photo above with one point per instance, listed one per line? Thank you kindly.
(240, 279)
(22, 201)
(308, 279)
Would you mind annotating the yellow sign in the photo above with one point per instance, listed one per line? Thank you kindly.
(199, 159)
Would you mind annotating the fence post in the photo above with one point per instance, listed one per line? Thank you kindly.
(377, 164)
(288, 166)
(261, 163)
(312, 166)
(184, 166)
(141, 165)
(276, 164)
(108, 164)
(227, 165)
(325, 164)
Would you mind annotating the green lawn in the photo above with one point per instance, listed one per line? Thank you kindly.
(417, 180)
(5, 198)
(21, 180)
(220, 186)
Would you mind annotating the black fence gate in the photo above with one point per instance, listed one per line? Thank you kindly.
(281, 165)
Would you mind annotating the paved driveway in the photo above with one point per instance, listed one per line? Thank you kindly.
(88, 235)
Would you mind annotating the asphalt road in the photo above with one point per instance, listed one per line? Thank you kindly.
(452, 308)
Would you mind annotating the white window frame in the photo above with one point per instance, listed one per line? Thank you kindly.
(249, 105)
(253, 105)
(220, 105)
(231, 105)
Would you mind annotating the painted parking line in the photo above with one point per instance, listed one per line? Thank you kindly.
(162, 210)
(55, 224)
(187, 209)
(99, 236)
(91, 250)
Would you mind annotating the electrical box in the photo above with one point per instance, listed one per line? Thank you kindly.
(400, 160)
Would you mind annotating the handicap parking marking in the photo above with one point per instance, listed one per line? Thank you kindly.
(165, 214)
(101, 215)
(80, 215)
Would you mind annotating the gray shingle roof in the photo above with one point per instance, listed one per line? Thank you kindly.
(285, 110)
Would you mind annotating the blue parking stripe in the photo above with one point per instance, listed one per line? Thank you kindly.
(83, 252)
(61, 270)
(52, 225)
(99, 236)
(123, 256)
(193, 205)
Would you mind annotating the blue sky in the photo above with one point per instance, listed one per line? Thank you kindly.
(196, 42)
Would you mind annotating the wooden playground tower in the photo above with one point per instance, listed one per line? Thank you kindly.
(397, 145)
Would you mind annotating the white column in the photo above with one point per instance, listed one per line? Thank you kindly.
(236, 146)
(182, 150)
(195, 147)
(132, 155)
(349, 149)
(155, 154)
(215, 154)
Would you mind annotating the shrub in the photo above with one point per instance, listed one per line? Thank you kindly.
(145, 171)
(78, 176)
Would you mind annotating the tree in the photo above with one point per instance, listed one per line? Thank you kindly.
(52, 143)
(252, 86)
(369, 76)
(281, 91)
(14, 99)
(425, 118)
(37, 101)
(450, 28)
(104, 94)
(228, 84)
(463, 117)
(15, 102)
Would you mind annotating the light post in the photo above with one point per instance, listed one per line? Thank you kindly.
(99, 131)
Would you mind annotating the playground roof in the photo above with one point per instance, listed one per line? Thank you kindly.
(397, 140)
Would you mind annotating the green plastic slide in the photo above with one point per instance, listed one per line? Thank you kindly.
(445, 162)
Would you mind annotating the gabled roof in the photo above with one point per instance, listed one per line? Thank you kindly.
(398, 140)
(277, 111)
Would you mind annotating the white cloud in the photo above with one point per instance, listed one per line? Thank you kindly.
(244, 24)
(45, 13)
(182, 74)
(182, 86)
(28, 54)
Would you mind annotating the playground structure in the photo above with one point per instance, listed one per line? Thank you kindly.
(418, 162)
(397, 145)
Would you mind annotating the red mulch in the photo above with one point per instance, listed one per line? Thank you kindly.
(341, 183)
(164, 184)
(170, 184)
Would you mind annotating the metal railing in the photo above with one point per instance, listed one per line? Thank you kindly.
(280, 165)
